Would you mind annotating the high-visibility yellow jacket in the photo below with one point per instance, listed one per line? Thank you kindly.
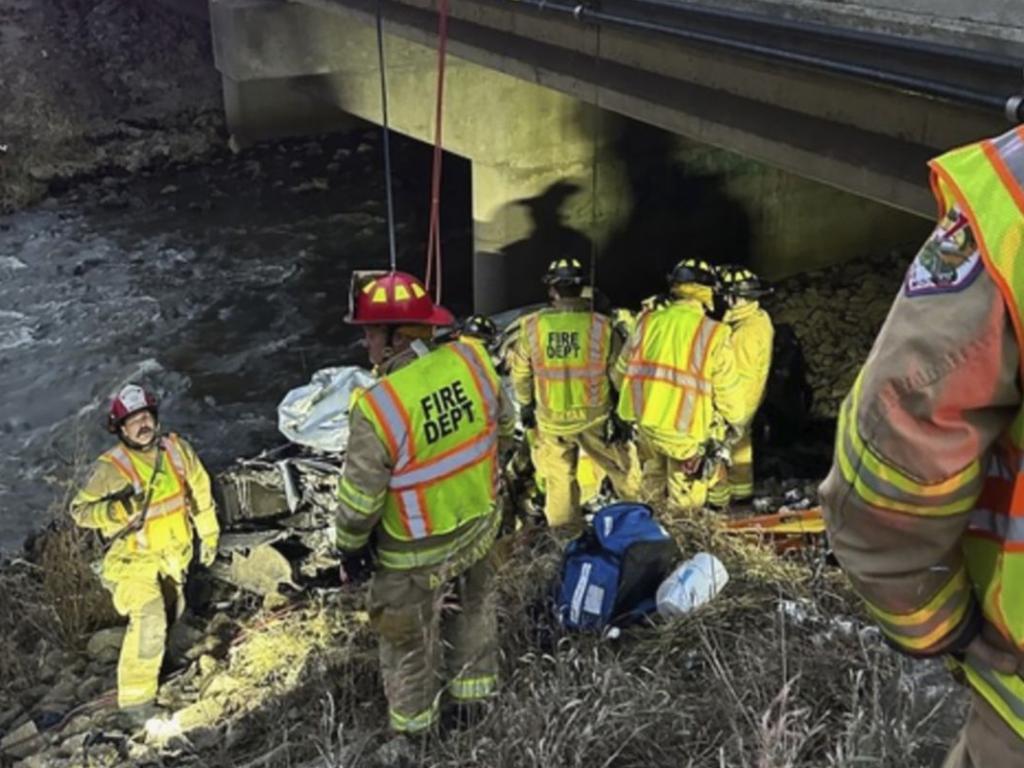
(181, 498)
(925, 501)
(752, 335)
(561, 363)
(675, 372)
(422, 462)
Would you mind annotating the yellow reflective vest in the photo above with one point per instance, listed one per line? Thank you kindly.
(562, 367)
(985, 181)
(438, 418)
(167, 520)
(676, 371)
(181, 498)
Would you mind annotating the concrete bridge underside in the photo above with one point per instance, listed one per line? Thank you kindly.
(533, 99)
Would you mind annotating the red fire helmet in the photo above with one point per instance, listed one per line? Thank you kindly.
(397, 298)
(130, 399)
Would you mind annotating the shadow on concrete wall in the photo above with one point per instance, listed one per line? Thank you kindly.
(550, 238)
(676, 213)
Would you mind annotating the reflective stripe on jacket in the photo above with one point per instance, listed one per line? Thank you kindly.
(167, 517)
(438, 418)
(985, 181)
(562, 366)
(666, 374)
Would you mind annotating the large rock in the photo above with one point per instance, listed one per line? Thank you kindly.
(40, 760)
(261, 569)
(10, 714)
(22, 741)
(74, 745)
(60, 697)
(89, 688)
(105, 645)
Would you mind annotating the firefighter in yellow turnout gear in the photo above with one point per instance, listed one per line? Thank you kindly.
(560, 375)
(419, 496)
(677, 373)
(925, 500)
(148, 494)
(752, 335)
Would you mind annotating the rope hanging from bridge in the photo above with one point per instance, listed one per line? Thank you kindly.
(594, 129)
(434, 234)
(393, 259)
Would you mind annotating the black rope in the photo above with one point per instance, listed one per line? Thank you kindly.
(387, 140)
(595, 127)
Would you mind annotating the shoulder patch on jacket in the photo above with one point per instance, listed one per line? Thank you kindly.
(949, 260)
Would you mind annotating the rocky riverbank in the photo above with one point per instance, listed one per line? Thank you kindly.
(100, 86)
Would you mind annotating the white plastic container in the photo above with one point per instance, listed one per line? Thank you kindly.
(691, 584)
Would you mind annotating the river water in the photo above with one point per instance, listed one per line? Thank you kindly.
(223, 286)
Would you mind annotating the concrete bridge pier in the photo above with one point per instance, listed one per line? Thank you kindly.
(539, 198)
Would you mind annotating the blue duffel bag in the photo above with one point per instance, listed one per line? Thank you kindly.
(611, 573)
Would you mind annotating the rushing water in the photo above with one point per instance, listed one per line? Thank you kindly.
(223, 286)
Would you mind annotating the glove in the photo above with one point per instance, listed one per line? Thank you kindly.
(119, 506)
(715, 455)
(131, 504)
(733, 435)
(207, 551)
(356, 566)
(616, 430)
(528, 416)
(723, 454)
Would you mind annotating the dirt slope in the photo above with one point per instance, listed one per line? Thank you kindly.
(104, 85)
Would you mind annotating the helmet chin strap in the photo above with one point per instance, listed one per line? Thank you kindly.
(389, 346)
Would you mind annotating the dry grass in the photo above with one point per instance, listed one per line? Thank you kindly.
(740, 683)
(70, 586)
(66, 553)
(25, 619)
(778, 671)
(271, 659)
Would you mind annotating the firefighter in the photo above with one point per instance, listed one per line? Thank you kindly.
(560, 368)
(148, 494)
(481, 328)
(752, 334)
(924, 499)
(676, 372)
(420, 478)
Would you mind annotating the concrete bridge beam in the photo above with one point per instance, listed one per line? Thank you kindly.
(525, 216)
(288, 68)
(291, 68)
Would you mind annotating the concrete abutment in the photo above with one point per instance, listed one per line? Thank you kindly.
(292, 69)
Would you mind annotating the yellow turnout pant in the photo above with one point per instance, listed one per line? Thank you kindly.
(670, 485)
(741, 473)
(145, 587)
(556, 458)
(734, 483)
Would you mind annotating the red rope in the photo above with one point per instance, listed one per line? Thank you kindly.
(434, 235)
